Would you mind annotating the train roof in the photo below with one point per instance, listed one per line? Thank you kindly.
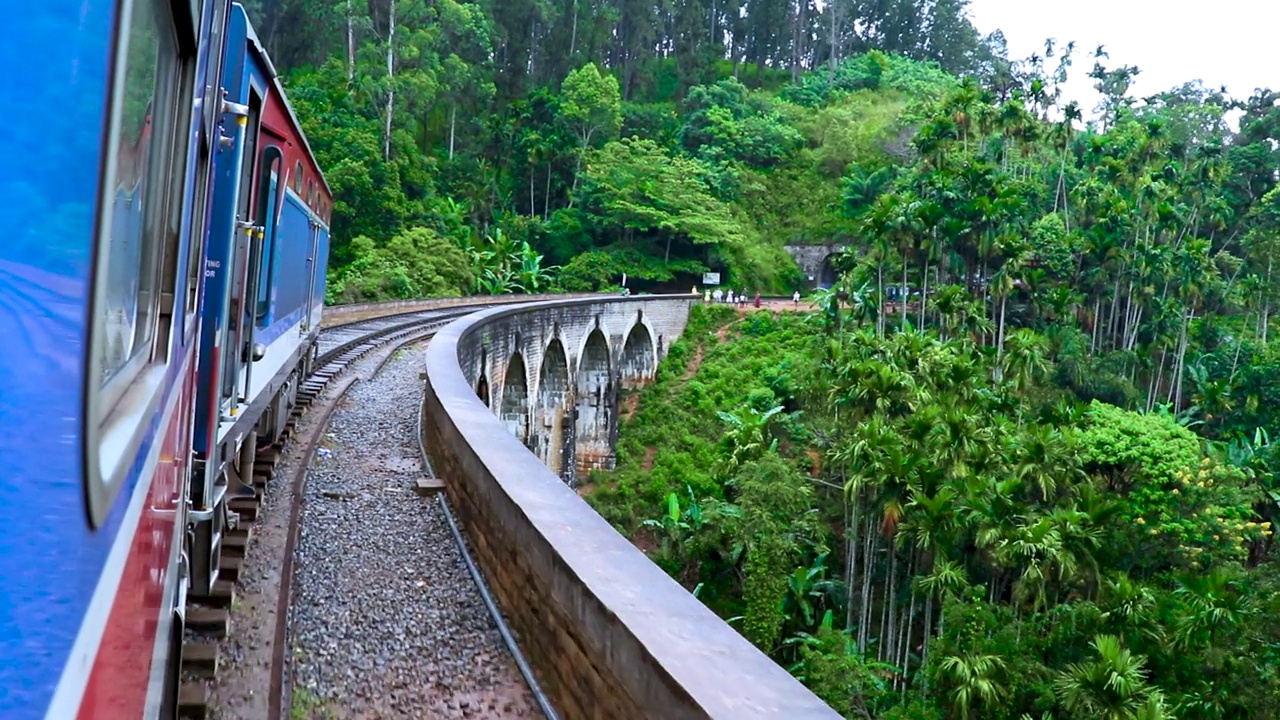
(284, 97)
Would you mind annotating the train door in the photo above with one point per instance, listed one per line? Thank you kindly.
(245, 244)
(312, 263)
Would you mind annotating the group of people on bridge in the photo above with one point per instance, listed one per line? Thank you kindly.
(728, 296)
(738, 299)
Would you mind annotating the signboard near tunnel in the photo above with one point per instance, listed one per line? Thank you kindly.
(710, 278)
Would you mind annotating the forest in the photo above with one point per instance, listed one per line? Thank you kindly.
(1019, 462)
(561, 144)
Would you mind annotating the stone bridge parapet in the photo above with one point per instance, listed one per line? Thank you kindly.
(607, 632)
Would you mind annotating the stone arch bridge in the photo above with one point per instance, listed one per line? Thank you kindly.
(607, 633)
(553, 378)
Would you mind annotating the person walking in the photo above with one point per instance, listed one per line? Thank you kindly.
(795, 298)
(757, 299)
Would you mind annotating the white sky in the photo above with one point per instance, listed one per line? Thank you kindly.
(1222, 42)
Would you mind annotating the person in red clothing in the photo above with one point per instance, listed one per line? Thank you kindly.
(757, 299)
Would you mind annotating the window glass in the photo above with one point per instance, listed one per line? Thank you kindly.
(133, 242)
(271, 162)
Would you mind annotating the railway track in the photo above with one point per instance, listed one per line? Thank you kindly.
(209, 618)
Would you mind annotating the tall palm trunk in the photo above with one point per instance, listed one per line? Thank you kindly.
(880, 299)
(1266, 306)
(1004, 299)
(911, 619)
(546, 195)
(391, 86)
(868, 556)
(1182, 360)
(905, 293)
(832, 60)
(924, 289)
(928, 636)
(1097, 321)
(887, 631)
(1113, 320)
(851, 558)
(351, 45)
(1156, 380)
(453, 124)
(573, 37)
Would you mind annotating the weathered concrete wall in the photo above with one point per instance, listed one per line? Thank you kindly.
(608, 633)
(813, 262)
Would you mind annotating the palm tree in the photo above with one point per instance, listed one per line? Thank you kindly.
(1214, 605)
(974, 681)
(946, 580)
(1111, 687)
(1025, 359)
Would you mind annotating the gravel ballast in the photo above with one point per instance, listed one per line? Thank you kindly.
(385, 619)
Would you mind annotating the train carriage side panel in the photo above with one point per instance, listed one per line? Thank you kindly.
(91, 423)
(255, 333)
(50, 561)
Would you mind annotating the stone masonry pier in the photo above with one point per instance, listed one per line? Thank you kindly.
(520, 399)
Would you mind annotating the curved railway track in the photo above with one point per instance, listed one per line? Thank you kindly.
(338, 348)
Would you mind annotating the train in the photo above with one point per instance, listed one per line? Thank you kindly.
(162, 281)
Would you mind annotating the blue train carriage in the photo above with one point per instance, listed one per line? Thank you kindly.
(264, 289)
(105, 213)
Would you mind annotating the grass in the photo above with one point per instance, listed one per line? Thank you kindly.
(306, 705)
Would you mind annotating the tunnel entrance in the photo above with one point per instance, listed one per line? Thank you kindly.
(596, 407)
(514, 409)
(549, 439)
(828, 275)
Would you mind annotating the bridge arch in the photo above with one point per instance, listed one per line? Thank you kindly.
(481, 377)
(549, 436)
(594, 392)
(639, 358)
(513, 409)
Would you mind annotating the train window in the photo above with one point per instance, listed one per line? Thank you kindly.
(268, 167)
(297, 178)
(135, 266)
(199, 223)
(131, 243)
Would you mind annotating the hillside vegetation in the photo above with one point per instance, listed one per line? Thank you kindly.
(915, 538)
(564, 144)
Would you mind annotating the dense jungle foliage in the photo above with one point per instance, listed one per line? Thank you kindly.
(920, 528)
(1019, 464)
(562, 144)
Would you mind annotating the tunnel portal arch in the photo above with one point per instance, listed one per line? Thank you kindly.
(828, 275)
